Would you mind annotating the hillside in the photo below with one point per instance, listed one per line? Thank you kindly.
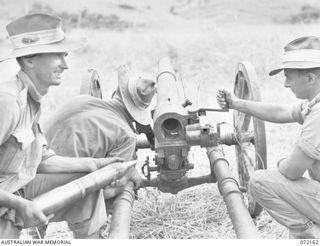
(247, 11)
(151, 12)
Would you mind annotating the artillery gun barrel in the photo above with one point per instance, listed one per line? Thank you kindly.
(168, 97)
(67, 194)
(167, 90)
(232, 196)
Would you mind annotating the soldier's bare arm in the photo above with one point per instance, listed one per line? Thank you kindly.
(295, 165)
(26, 209)
(272, 112)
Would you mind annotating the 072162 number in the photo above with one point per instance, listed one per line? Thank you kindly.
(309, 242)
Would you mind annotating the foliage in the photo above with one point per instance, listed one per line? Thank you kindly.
(85, 19)
(307, 14)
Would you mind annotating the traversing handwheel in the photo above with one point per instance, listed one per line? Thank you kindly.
(250, 155)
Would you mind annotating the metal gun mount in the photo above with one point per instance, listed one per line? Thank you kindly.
(175, 130)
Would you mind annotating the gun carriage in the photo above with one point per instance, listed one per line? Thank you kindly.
(176, 129)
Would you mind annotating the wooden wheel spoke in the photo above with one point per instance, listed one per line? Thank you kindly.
(241, 121)
(243, 89)
(247, 166)
(250, 162)
(250, 157)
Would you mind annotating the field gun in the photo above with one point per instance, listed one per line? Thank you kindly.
(176, 130)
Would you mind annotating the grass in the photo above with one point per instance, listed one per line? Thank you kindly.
(205, 52)
(183, 216)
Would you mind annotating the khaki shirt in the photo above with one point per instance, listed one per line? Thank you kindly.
(309, 140)
(90, 127)
(22, 145)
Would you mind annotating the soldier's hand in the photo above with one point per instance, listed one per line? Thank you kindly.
(134, 176)
(117, 186)
(131, 175)
(226, 99)
(31, 215)
(102, 162)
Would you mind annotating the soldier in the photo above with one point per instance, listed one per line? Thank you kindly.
(291, 199)
(87, 126)
(28, 166)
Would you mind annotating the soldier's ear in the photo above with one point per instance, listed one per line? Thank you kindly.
(28, 61)
(312, 77)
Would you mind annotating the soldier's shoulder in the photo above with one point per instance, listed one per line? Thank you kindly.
(9, 91)
(12, 89)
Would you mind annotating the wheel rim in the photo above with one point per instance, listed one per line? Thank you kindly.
(90, 84)
(250, 156)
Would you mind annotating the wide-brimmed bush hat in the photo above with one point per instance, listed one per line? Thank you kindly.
(38, 33)
(301, 53)
(137, 93)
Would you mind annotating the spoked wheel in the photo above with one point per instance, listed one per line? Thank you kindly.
(251, 150)
(90, 84)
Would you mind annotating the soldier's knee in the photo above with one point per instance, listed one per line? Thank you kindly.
(258, 183)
